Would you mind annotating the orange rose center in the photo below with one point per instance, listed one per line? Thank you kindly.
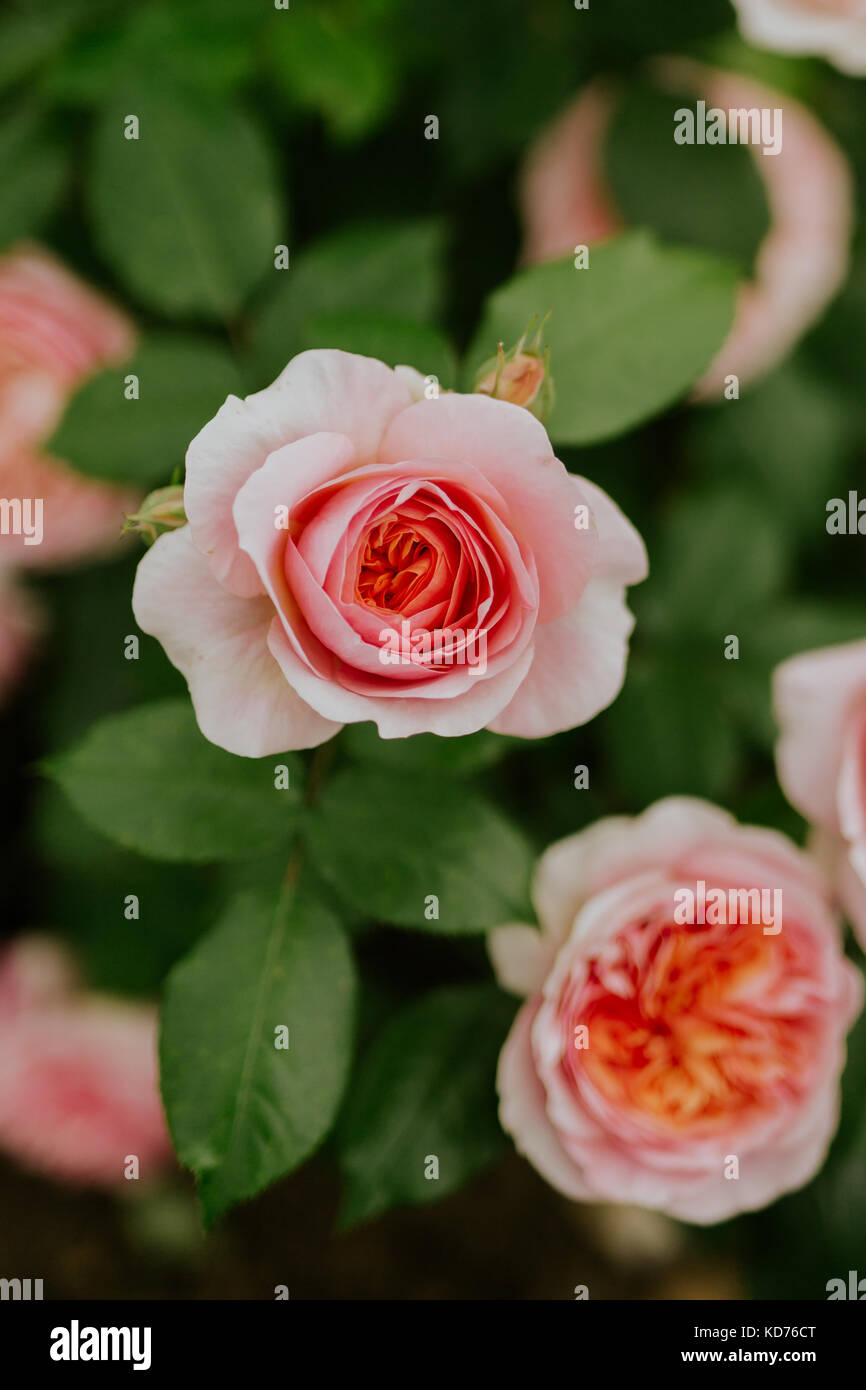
(689, 1038)
(396, 563)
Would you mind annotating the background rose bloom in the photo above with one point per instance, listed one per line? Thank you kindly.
(835, 29)
(802, 261)
(704, 1041)
(820, 704)
(445, 514)
(78, 1072)
(54, 333)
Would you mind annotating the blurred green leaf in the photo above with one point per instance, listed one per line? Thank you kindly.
(149, 780)
(725, 208)
(182, 382)
(82, 887)
(242, 1110)
(201, 44)
(35, 170)
(30, 34)
(426, 1089)
(188, 215)
(399, 342)
(668, 733)
(389, 269)
(327, 61)
(432, 837)
(702, 534)
(785, 442)
(628, 335)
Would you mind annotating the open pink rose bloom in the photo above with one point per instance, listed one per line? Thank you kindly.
(820, 703)
(803, 260)
(78, 1072)
(354, 554)
(55, 332)
(683, 1061)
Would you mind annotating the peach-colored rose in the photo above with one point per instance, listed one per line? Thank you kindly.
(329, 516)
(800, 265)
(78, 1072)
(54, 333)
(652, 1052)
(820, 704)
(834, 29)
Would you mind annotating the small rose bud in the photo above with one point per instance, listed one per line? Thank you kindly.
(160, 511)
(521, 375)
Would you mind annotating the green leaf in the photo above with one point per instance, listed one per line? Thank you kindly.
(726, 207)
(188, 214)
(387, 842)
(35, 169)
(182, 382)
(785, 442)
(203, 44)
(30, 35)
(391, 269)
(242, 1111)
(342, 71)
(398, 342)
(687, 596)
(426, 1088)
(669, 732)
(148, 780)
(628, 335)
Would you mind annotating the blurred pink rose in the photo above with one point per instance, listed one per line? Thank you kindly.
(702, 1044)
(834, 29)
(800, 265)
(54, 333)
(330, 516)
(78, 1072)
(820, 704)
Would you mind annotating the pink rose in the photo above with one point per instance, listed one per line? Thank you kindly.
(54, 333)
(78, 1072)
(835, 29)
(332, 519)
(820, 703)
(658, 1044)
(803, 260)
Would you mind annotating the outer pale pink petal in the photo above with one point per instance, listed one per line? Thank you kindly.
(578, 668)
(220, 644)
(511, 449)
(831, 854)
(522, 1110)
(836, 31)
(563, 193)
(82, 519)
(35, 971)
(621, 552)
(814, 696)
(322, 390)
(617, 848)
(450, 716)
(521, 957)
